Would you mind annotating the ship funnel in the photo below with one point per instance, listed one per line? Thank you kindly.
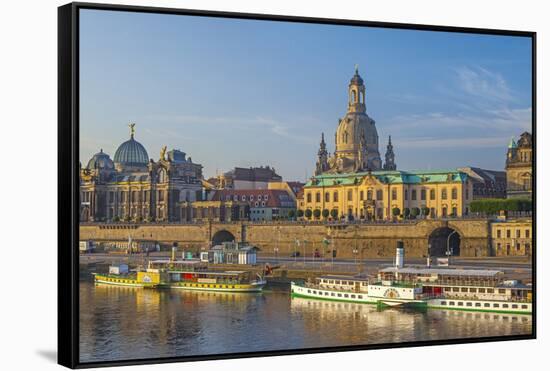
(399, 255)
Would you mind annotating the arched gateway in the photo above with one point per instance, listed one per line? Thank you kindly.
(222, 236)
(444, 238)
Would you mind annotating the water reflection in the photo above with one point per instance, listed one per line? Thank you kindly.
(128, 323)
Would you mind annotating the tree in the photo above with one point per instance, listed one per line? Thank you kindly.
(309, 213)
(116, 219)
(326, 213)
(300, 213)
(406, 212)
(334, 213)
(395, 211)
(291, 213)
(317, 213)
(414, 212)
(496, 205)
(425, 211)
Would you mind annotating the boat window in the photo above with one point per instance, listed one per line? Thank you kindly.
(463, 289)
(455, 289)
(486, 305)
(514, 306)
(326, 293)
(346, 295)
(339, 295)
(360, 296)
(451, 303)
(309, 291)
(447, 289)
(495, 305)
(473, 289)
(337, 282)
(481, 291)
(490, 291)
(524, 306)
(478, 304)
(443, 302)
(315, 292)
(468, 304)
(332, 294)
(501, 291)
(353, 296)
(331, 281)
(460, 304)
(505, 305)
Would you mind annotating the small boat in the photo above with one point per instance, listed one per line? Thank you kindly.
(120, 276)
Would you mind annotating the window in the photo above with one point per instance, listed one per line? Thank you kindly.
(460, 304)
(379, 194)
(527, 233)
(361, 196)
(524, 306)
(486, 305)
(335, 197)
(468, 304)
(514, 306)
(432, 194)
(423, 194)
(327, 197)
(413, 195)
(318, 197)
(455, 289)
(451, 303)
(496, 305)
(369, 195)
(490, 291)
(443, 302)
(406, 196)
(463, 289)
(444, 194)
(499, 234)
(505, 305)
(394, 194)
(473, 289)
(308, 197)
(502, 291)
(478, 304)
(508, 233)
(251, 197)
(481, 290)
(454, 194)
(244, 198)
(518, 233)
(350, 195)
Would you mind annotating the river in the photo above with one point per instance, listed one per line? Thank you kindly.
(119, 323)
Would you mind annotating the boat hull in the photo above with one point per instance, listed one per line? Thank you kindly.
(121, 281)
(249, 287)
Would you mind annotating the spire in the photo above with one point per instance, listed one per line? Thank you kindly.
(322, 157)
(512, 143)
(390, 157)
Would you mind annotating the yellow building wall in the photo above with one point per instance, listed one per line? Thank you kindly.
(512, 238)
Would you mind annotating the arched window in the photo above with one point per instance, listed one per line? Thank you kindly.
(309, 197)
(327, 197)
(413, 195)
(369, 195)
(444, 194)
(350, 195)
(162, 176)
(353, 96)
(318, 197)
(423, 194)
(335, 197)
(394, 194)
(379, 195)
(432, 194)
(454, 193)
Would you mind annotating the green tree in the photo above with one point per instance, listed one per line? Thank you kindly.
(425, 211)
(300, 213)
(291, 213)
(406, 212)
(334, 213)
(116, 219)
(317, 213)
(395, 211)
(415, 211)
(308, 213)
(326, 213)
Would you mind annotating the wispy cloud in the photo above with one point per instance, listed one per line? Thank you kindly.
(466, 142)
(480, 82)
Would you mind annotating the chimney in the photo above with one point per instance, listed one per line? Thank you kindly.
(399, 255)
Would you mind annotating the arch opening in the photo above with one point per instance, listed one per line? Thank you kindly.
(442, 239)
(222, 236)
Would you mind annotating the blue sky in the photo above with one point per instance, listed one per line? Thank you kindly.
(248, 93)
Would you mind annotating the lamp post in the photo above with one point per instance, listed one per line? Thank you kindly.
(305, 241)
(449, 251)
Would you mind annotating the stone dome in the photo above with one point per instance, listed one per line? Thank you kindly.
(131, 153)
(100, 160)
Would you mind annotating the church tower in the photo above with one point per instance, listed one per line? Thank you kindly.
(390, 157)
(322, 157)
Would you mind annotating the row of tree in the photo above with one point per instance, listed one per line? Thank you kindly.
(493, 206)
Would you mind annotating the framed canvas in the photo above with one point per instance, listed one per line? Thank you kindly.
(241, 185)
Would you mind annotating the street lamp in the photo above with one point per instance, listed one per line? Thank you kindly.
(355, 252)
(276, 249)
(449, 251)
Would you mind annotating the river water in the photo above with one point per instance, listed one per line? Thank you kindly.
(127, 323)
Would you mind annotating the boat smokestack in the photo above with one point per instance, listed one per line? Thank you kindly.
(399, 255)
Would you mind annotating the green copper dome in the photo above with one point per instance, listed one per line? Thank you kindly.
(131, 152)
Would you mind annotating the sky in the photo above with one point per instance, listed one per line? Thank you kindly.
(247, 93)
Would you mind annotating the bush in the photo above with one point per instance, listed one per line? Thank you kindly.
(300, 213)
(334, 213)
(309, 213)
(116, 219)
(395, 211)
(326, 213)
(317, 213)
(291, 213)
(414, 212)
(406, 212)
(425, 211)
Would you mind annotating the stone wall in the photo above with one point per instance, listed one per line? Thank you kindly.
(369, 240)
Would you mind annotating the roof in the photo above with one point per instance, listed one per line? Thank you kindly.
(443, 271)
(131, 153)
(390, 177)
(261, 197)
(256, 174)
(348, 278)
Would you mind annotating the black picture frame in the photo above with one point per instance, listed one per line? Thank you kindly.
(68, 180)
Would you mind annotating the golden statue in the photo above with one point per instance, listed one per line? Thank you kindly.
(132, 129)
(163, 153)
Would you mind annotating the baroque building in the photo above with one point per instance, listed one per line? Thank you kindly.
(519, 167)
(356, 137)
(132, 187)
(385, 195)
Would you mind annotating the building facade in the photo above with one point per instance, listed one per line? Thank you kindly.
(486, 183)
(245, 178)
(356, 137)
(214, 211)
(385, 195)
(519, 167)
(512, 237)
(132, 187)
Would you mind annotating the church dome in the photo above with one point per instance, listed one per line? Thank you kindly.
(100, 160)
(131, 152)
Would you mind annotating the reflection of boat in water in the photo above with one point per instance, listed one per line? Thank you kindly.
(479, 290)
(182, 274)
